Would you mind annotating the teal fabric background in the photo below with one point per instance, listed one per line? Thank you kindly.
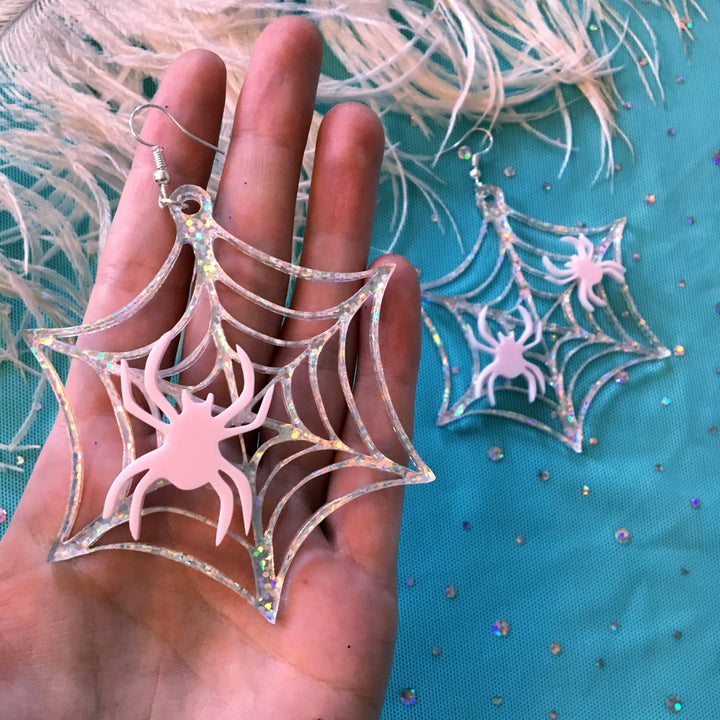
(637, 623)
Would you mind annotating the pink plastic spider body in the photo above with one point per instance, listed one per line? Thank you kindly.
(509, 356)
(585, 269)
(189, 455)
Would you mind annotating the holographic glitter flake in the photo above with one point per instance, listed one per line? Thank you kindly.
(465, 152)
(676, 635)
(3, 515)
(555, 648)
(501, 294)
(585, 490)
(650, 199)
(408, 696)
(614, 627)
(623, 536)
(673, 704)
(495, 453)
(450, 592)
(292, 435)
(553, 715)
(544, 475)
(695, 503)
(509, 172)
(679, 350)
(501, 628)
(497, 701)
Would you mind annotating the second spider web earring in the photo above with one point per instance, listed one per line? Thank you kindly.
(528, 331)
(246, 456)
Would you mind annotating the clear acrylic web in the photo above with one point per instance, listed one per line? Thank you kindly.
(288, 434)
(574, 335)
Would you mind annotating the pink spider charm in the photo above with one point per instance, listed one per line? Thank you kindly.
(189, 456)
(509, 356)
(584, 268)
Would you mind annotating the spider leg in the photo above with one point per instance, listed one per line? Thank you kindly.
(581, 243)
(227, 505)
(131, 404)
(136, 505)
(152, 369)
(472, 341)
(489, 374)
(248, 374)
(582, 291)
(557, 275)
(529, 325)
(532, 386)
(538, 335)
(534, 377)
(594, 298)
(615, 270)
(243, 487)
(120, 483)
(484, 330)
(259, 418)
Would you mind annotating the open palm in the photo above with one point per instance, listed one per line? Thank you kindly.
(126, 635)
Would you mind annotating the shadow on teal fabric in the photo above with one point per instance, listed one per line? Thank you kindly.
(518, 597)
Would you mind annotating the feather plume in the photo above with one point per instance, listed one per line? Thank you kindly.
(73, 70)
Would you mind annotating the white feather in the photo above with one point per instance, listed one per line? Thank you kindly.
(71, 71)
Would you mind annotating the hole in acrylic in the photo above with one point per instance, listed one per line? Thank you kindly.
(190, 207)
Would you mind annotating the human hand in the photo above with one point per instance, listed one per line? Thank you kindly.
(127, 635)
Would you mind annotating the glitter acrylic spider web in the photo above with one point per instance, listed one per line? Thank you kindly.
(279, 463)
(503, 280)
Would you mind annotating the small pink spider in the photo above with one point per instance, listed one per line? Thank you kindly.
(509, 356)
(584, 268)
(189, 456)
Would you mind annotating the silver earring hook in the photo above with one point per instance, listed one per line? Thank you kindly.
(161, 174)
(485, 148)
(148, 106)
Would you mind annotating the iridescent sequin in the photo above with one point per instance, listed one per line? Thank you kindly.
(495, 453)
(623, 536)
(501, 628)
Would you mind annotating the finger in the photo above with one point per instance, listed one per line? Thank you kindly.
(138, 243)
(337, 239)
(368, 528)
(256, 198)
(142, 233)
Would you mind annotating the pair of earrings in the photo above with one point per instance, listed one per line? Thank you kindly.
(567, 327)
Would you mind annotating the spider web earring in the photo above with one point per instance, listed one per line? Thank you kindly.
(542, 340)
(260, 449)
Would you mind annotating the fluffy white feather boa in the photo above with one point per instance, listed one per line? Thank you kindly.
(73, 70)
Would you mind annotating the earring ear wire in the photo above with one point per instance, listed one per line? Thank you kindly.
(161, 176)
